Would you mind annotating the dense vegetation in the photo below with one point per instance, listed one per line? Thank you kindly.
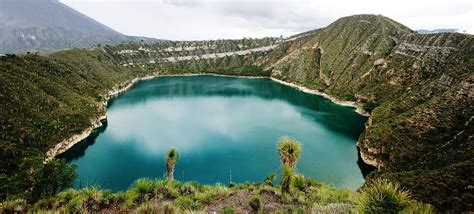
(418, 88)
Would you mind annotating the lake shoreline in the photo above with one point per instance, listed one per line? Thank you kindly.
(359, 109)
(97, 122)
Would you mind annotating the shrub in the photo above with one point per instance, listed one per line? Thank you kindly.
(130, 198)
(381, 196)
(76, 205)
(286, 199)
(143, 186)
(13, 206)
(44, 203)
(66, 195)
(418, 208)
(108, 197)
(91, 198)
(231, 184)
(186, 202)
(166, 190)
(331, 208)
(209, 193)
(325, 194)
(168, 208)
(118, 197)
(269, 179)
(228, 210)
(298, 182)
(292, 211)
(311, 182)
(147, 208)
(254, 203)
(187, 189)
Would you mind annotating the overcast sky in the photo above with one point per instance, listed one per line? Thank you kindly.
(214, 19)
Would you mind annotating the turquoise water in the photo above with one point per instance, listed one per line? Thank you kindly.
(224, 128)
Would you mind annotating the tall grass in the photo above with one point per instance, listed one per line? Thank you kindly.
(151, 196)
(381, 196)
(254, 203)
(209, 193)
(143, 186)
(298, 182)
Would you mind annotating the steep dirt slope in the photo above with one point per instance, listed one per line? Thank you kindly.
(419, 89)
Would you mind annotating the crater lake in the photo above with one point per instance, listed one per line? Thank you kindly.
(224, 128)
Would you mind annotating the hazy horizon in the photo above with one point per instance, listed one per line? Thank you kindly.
(210, 19)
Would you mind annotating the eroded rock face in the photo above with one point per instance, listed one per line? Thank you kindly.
(419, 90)
(369, 155)
(380, 62)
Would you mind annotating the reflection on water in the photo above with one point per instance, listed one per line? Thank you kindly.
(219, 125)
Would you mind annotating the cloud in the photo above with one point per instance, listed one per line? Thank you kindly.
(213, 19)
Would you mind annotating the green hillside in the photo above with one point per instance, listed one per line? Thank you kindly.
(418, 89)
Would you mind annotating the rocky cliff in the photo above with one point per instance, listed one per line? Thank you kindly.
(419, 89)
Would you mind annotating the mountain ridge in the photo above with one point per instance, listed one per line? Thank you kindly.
(47, 25)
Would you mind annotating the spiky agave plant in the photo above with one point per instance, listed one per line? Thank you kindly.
(289, 151)
(299, 182)
(382, 196)
(286, 177)
(143, 188)
(91, 198)
(171, 159)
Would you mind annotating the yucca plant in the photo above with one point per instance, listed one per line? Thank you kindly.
(289, 151)
(171, 159)
(286, 177)
(382, 196)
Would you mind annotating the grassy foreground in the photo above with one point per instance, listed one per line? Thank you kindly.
(159, 196)
(294, 194)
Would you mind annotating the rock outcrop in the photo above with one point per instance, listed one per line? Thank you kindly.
(418, 89)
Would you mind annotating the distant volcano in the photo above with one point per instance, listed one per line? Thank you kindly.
(46, 25)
